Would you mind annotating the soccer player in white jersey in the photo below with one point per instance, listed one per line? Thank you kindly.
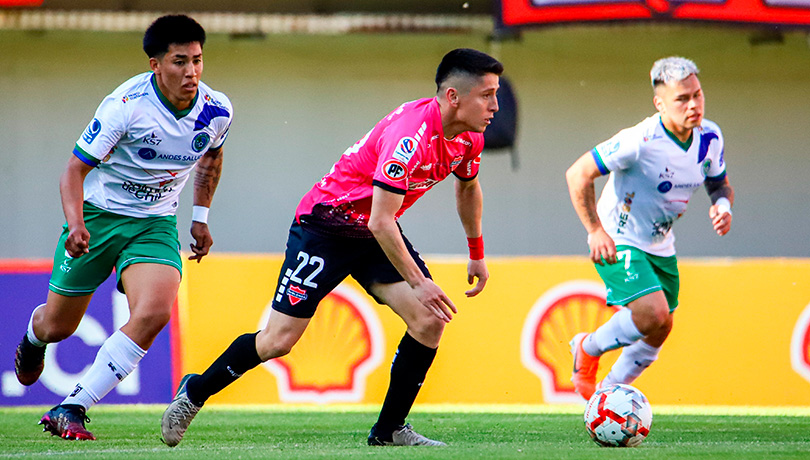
(654, 168)
(120, 191)
(347, 225)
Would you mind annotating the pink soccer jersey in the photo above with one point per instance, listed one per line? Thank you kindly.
(405, 153)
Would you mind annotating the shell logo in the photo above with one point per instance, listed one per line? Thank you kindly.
(558, 315)
(341, 346)
(800, 345)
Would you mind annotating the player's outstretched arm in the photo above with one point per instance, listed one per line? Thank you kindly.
(580, 177)
(71, 188)
(469, 205)
(382, 224)
(206, 179)
(721, 194)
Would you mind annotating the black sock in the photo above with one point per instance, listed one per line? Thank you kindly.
(408, 371)
(239, 358)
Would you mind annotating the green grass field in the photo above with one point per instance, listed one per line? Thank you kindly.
(493, 432)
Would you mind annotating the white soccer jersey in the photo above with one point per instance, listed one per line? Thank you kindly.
(652, 179)
(145, 149)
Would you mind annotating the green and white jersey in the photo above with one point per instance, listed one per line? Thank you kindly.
(144, 149)
(652, 178)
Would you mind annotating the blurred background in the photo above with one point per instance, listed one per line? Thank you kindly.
(309, 78)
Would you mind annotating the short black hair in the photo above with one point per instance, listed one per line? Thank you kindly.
(467, 61)
(171, 29)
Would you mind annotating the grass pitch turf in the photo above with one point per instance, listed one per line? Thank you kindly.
(472, 432)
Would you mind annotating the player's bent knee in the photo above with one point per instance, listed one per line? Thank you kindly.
(427, 330)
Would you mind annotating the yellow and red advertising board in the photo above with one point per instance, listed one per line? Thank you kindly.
(741, 334)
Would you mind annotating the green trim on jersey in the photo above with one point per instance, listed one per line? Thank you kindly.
(684, 145)
(178, 114)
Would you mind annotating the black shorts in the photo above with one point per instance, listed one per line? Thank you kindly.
(314, 264)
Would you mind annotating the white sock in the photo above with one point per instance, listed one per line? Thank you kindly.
(32, 337)
(619, 331)
(116, 359)
(631, 363)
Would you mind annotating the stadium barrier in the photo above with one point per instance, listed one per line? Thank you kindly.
(743, 325)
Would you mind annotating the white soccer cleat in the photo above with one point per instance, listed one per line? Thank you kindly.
(405, 436)
(178, 415)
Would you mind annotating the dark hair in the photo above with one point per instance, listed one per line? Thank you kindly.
(468, 61)
(171, 29)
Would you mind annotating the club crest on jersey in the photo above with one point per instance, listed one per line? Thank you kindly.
(406, 147)
(706, 165)
(456, 161)
(394, 170)
(296, 294)
(92, 131)
(200, 142)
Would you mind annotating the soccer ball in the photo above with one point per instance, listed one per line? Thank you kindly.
(618, 416)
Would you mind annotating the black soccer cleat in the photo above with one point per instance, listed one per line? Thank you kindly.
(29, 361)
(67, 421)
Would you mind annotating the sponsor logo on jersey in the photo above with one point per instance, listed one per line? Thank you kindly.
(212, 101)
(296, 294)
(145, 192)
(132, 97)
(422, 185)
(667, 174)
(665, 186)
(152, 139)
(164, 156)
(394, 170)
(92, 131)
(147, 154)
(406, 147)
(611, 147)
(463, 141)
(200, 142)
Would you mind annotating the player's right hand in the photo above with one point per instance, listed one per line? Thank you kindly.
(602, 247)
(434, 299)
(77, 243)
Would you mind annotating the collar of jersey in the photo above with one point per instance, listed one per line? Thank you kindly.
(178, 114)
(684, 145)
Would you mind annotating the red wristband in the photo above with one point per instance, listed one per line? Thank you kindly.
(476, 246)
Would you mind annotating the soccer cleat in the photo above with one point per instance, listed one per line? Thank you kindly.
(29, 360)
(67, 421)
(585, 366)
(178, 415)
(404, 436)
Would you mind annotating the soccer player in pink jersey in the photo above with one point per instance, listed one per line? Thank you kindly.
(347, 225)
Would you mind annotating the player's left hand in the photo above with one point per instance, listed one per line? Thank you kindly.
(477, 269)
(203, 241)
(720, 221)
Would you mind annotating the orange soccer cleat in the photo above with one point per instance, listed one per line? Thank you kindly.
(585, 366)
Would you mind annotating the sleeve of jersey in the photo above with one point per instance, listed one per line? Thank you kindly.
(398, 152)
(225, 126)
(617, 153)
(468, 169)
(103, 132)
(717, 168)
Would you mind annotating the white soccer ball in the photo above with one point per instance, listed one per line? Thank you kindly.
(618, 416)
